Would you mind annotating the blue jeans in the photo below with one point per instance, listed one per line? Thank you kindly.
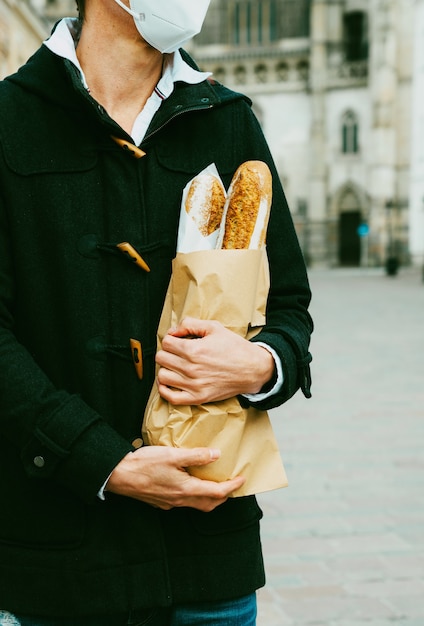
(240, 612)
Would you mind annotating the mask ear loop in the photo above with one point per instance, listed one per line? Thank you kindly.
(139, 16)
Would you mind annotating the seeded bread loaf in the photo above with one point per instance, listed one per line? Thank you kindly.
(247, 207)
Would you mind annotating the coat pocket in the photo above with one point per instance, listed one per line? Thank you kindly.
(37, 513)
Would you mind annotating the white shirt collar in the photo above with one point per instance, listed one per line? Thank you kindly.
(63, 43)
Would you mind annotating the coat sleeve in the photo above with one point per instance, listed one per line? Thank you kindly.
(288, 323)
(58, 436)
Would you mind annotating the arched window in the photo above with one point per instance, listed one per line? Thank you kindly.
(282, 70)
(355, 26)
(350, 144)
(303, 70)
(261, 73)
(240, 74)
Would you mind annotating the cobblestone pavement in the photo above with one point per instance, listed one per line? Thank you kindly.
(344, 543)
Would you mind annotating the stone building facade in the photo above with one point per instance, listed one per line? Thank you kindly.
(22, 28)
(332, 83)
(55, 9)
(24, 24)
(338, 86)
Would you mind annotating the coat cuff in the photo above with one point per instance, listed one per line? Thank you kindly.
(295, 360)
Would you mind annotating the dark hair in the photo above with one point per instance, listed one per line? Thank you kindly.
(81, 8)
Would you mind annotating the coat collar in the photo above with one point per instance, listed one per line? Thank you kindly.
(54, 79)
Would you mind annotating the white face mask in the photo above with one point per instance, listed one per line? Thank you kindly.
(167, 24)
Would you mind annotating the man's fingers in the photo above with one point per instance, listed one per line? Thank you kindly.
(178, 397)
(157, 475)
(191, 327)
(209, 492)
(196, 457)
(203, 456)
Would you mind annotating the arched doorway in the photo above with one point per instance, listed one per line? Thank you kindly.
(350, 218)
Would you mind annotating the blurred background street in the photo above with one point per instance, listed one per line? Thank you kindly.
(344, 543)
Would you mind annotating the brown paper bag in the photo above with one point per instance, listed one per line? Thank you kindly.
(230, 286)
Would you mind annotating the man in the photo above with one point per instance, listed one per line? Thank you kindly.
(100, 132)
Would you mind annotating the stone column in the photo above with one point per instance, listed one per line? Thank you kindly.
(416, 197)
(317, 205)
(325, 41)
(383, 92)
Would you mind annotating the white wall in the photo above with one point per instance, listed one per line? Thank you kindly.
(286, 124)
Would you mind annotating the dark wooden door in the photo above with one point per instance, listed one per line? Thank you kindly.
(349, 241)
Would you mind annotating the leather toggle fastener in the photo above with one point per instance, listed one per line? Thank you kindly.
(137, 357)
(129, 250)
(135, 152)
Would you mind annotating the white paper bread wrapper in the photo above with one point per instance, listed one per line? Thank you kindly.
(190, 239)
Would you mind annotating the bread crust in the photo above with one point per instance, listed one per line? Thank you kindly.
(205, 203)
(248, 206)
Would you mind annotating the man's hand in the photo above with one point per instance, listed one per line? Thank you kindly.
(157, 475)
(202, 361)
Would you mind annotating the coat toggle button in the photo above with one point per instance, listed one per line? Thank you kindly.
(129, 147)
(132, 254)
(137, 357)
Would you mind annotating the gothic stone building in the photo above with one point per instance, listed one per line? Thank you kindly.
(332, 84)
(338, 86)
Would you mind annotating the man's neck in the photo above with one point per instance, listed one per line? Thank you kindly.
(121, 70)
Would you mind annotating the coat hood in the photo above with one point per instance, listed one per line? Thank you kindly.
(52, 78)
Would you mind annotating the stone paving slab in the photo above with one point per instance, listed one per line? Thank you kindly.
(344, 543)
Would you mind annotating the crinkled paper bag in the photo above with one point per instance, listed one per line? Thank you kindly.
(230, 286)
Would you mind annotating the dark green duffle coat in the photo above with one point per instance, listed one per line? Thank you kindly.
(70, 400)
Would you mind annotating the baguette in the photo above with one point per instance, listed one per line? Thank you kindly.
(205, 203)
(247, 208)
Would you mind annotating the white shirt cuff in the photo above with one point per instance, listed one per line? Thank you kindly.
(257, 397)
(101, 492)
